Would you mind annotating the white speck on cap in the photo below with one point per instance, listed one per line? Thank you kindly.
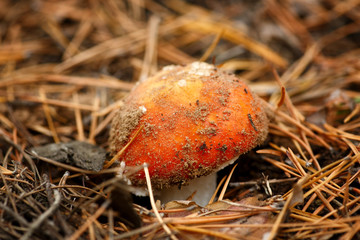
(143, 109)
(201, 69)
(182, 83)
(169, 68)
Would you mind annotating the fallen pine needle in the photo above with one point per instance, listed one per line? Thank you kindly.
(226, 183)
(205, 232)
(116, 157)
(153, 204)
(283, 212)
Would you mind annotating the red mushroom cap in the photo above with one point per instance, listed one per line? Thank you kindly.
(196, 120)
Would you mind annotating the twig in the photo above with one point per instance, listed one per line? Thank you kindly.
(36, 224)
(15, 215)
(26, 156)
(59, 216)
(90, 220)
(250, 183)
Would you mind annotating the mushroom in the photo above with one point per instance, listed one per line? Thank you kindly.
(196, 120)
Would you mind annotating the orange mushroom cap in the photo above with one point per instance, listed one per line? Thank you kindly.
(197, 119)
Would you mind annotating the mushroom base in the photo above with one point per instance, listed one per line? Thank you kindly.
(204, 187)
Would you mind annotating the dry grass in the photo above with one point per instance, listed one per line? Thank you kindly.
(66, 65)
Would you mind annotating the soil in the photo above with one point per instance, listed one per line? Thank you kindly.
(66, 67)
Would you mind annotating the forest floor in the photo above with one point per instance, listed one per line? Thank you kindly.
(65, 67)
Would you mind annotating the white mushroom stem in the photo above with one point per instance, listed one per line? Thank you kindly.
(204, 187)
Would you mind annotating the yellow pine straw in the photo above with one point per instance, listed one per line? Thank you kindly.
(351, 145)
(96, 51)
(270, 151)
(293, 227)
(52, 27)
(316, 187)
(110, 108)
(205, 232)
(327, 167)
(5, 171)
(319, 234)
(78, 121)
(149, 63)
(130, 42)
(290, 154)
(314, 179)
(235, 36)
(308, 203)
(80, 35)
(217, 190)
(350, 234)
(332, 175)
(4, 120)
(281, 216)
(294, 112)
(346, 196)
(298, 124)
(356, 200)
(22, 78)
(208, 219)
(58, 103)
(319, 220)
(118, 154)
(153, 204)
(293, 136)
(212, 46)
(94, 120)
(341, 133)
(48, 116)
(286, 168)
(344, 227)
(301, 152)
(333, 211)
(353, 113)
(303, 216)
(226, 183)
(235, 64)
(297, 68)
(104, 123)
(309, 223)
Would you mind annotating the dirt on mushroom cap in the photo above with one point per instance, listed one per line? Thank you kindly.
(195, 117)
